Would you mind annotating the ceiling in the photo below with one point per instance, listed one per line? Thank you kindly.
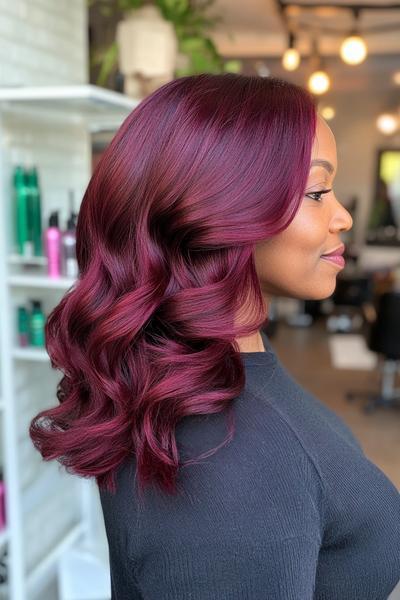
(256, 27)
(256, 30)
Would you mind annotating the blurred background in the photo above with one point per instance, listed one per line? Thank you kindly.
(70, 72)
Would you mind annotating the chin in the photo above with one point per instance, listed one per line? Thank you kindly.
(321, 294)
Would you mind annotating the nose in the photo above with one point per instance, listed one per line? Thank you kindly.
(341, 218)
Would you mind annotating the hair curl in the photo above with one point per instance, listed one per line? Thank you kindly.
(198, 173)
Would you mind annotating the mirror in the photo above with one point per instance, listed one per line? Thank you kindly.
(384, 220)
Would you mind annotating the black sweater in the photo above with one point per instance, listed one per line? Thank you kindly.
(290, 509)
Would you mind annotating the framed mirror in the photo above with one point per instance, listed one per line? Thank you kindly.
(383, 226)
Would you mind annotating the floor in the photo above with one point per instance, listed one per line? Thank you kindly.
(305, 353)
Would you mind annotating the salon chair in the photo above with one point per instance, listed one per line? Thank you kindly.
(351, 294)
(383, 337)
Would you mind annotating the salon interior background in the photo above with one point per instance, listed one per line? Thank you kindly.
(362, 102)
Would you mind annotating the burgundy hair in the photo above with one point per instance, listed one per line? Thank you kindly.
(200, 171)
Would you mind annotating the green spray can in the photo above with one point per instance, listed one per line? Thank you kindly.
(21, 203)
(36, 324)
(35, 213)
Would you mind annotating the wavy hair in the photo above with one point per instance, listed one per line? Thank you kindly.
(198, 173)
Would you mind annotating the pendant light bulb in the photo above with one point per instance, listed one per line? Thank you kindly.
(291, 56)
(353, 50)
(319, 82)
(387, 123)
(291, 59)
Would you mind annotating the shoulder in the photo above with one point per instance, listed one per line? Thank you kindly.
(264, 469)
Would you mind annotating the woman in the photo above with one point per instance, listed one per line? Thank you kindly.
(215, 194)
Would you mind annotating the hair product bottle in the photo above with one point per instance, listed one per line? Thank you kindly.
(36, 324)
(23, 326)
(35, 214)
(2, 502)
(68, 244)
(53, 246)
(21, 203)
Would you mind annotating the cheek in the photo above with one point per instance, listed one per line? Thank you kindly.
(290, 264)
(308, 234)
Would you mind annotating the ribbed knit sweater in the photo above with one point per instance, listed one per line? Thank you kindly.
(290, 509)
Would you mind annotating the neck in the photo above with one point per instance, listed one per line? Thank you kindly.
(251, 343)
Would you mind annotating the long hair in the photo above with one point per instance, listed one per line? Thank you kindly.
(198, 173)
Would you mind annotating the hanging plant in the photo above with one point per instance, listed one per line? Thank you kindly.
(191, 25)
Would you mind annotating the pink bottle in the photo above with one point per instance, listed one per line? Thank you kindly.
(52, 242)
(2, 505)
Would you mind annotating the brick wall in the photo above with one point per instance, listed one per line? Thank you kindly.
(43, 42)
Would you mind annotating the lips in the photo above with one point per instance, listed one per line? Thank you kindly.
(337, 252)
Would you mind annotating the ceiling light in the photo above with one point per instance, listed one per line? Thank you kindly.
(387, 123)
(291, 59)
(328, 112)
(353, 50)
(396, 77)
(319, 82)
(291, 56)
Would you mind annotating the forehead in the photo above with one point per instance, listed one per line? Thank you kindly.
(324, 146)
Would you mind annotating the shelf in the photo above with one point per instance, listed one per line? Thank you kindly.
(30, 353)
(40, 281)
(39, 573)
(98, 107)
(18, 259)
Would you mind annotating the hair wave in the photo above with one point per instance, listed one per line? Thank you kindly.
(198, 173)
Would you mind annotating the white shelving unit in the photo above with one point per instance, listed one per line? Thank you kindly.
(49, 512)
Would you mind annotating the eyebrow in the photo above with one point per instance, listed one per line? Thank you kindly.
(320, 162)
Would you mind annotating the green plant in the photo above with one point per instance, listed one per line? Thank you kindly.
(191, 25)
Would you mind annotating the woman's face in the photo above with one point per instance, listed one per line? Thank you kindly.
(290, 263)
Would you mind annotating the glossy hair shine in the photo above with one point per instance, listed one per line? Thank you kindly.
(199, 172)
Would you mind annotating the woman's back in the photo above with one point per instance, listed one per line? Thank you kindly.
(290, 509)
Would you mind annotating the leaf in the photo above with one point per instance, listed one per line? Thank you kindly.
(109, 60)
(233, 66)
(192, 44)
(125, 5)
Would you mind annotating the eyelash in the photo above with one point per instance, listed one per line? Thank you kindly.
(318, 193)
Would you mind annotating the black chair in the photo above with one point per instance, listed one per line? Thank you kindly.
(383, 337)
(351, 294)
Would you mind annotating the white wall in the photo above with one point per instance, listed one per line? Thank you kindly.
(43, 42)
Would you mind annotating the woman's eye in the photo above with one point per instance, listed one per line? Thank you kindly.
(317, 195)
